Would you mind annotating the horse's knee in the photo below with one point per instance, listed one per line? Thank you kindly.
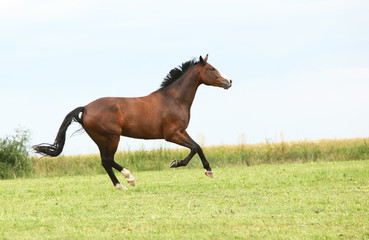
(106, 163)
(197, 148)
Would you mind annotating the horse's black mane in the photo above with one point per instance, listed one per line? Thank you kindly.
(177, 73)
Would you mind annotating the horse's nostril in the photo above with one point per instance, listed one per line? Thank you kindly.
(230, 82)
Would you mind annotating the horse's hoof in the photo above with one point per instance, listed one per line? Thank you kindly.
(173, 164)
(120, 187)
(127, 174)
(131, 182)
(209, 174)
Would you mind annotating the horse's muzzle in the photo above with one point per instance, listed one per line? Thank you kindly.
(227, 84)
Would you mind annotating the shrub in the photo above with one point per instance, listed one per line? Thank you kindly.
(14, 158)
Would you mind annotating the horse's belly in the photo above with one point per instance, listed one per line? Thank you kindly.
(141, 131)
(142, 124)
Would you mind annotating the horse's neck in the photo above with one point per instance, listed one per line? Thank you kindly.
(184, 89)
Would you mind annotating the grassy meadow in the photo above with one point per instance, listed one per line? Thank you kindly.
(287, 190)
(316, 200)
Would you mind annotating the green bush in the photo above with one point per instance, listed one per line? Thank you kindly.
(14, 158)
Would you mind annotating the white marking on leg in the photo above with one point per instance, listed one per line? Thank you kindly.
(127, 174)
(120, 187)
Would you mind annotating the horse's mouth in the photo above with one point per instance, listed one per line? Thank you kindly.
(227, 84)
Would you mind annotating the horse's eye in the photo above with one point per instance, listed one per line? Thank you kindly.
(212, 69)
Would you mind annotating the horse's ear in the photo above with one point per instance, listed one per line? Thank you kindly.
(201, 60)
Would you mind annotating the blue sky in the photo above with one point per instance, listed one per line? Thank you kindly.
(300, 69)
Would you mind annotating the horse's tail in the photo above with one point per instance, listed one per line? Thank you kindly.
(55, 149)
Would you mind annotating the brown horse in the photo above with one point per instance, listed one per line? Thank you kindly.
(163, 114)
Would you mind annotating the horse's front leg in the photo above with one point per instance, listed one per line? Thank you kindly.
(185, 140)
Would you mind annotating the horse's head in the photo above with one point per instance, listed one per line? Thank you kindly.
(210, 76)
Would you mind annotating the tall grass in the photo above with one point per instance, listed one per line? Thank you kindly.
(218, 156)
(296, 151)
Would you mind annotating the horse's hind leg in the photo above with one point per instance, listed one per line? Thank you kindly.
(126, 173)
(108, 146)
(107, 164)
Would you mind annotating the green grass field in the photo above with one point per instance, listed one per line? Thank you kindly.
(322, 200)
